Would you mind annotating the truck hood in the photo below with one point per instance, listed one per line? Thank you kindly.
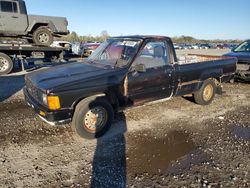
(43, 18)
(64, 76)
(243, 57)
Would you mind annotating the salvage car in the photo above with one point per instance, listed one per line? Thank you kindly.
(89, 48)
(63, 44)
(15, 22)
(242, 52)
(119, 74)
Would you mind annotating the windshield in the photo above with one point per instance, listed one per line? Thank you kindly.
(244, 47)
(115, 52)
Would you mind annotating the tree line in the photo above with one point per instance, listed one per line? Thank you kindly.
(189, 39)
(74, 37)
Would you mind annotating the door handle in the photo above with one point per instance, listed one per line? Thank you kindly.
(15, 17)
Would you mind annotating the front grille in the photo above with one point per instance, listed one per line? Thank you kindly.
(32, 90)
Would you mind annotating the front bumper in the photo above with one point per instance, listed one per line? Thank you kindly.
(51, 117)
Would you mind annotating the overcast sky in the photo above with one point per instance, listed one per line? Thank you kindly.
(203, 19)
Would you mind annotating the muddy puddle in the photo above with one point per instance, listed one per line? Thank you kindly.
(156, 155)
(241, 132)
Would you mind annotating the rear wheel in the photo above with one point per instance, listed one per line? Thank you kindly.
(6, 64)
(206, 93)
(42, 36)
(92, 117)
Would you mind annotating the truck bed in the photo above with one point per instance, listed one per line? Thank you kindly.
(194, 69)
(196, 58)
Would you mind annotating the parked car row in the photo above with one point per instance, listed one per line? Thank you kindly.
(185, 46)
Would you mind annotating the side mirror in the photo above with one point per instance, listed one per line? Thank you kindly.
(140, 68)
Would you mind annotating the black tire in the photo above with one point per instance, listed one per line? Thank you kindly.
(80, 122)
(6, 64)
(206, 93)
(42, 36)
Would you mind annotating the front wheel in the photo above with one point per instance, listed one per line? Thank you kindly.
(206, 93)
(92, 117)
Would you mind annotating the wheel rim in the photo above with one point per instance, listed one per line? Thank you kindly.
(4, 64)
(208, 92)
(43, 38)
(95, 119)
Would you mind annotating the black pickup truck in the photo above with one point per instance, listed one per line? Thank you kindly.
(122, 72)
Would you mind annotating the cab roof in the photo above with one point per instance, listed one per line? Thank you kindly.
(143, 37)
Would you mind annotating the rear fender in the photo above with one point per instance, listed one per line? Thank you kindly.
(217, 82)
(34, 25)
(213, 73)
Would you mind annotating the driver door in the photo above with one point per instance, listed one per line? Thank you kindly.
(156, 81)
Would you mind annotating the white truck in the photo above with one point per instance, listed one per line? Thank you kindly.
(15, 22)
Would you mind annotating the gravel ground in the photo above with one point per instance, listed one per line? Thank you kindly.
(170, 144)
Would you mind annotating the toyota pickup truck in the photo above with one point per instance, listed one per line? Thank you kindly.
(122, 72)
(15, 22)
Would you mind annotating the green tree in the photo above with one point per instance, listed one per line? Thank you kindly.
(104, 35)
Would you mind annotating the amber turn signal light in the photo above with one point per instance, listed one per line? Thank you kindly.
(53, 103)
(42, 113)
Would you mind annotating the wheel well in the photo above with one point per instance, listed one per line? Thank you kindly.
(111, 97)
(36, 26)
(217, 81)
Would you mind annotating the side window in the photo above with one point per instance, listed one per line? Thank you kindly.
(14, 7)
(22, 7)
(7, 6)
(154, 54)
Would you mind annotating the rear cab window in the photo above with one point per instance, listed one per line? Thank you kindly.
(8, 7)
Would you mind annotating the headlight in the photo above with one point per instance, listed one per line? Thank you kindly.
(52, 102)
(45, 99)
